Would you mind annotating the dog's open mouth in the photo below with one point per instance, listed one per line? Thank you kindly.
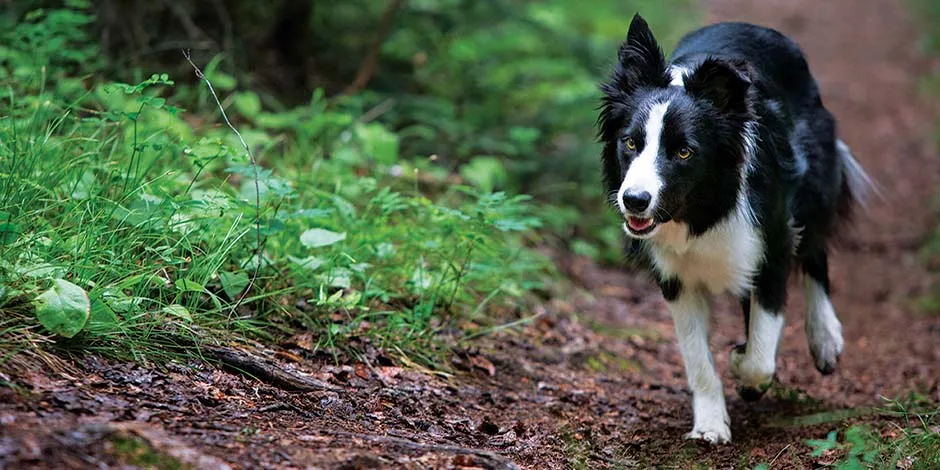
(640, 225)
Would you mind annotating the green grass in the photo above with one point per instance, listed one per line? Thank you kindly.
(112, 188)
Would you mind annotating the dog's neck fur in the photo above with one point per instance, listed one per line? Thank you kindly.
(723, 259)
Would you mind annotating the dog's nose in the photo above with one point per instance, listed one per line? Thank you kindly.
(636, 202)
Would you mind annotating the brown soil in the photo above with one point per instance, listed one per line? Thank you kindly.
(596, 381)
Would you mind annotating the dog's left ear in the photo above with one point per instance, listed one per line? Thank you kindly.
(724, 83)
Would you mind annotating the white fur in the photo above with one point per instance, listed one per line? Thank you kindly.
(750, 149)
(643, 174)
(677, 74)
(823, 329)
(690, 316)
(755, 367)
(723, 259)
(859, 182)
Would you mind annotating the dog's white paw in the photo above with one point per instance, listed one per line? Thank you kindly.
(720, 434)
(753, 377)
(825, 343)
(823, 328)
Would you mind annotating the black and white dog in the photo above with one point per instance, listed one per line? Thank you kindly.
(728, 173)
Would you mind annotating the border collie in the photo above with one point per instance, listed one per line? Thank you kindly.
(728, 173)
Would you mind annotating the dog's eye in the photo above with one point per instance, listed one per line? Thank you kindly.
(630, 143)
(684, 153)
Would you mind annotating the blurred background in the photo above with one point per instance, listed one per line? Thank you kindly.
(370, 189)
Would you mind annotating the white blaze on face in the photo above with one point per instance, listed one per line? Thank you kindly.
(643, 174)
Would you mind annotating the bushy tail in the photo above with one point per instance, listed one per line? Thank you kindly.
(857, 186)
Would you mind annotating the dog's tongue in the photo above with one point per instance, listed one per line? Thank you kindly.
(639, 224)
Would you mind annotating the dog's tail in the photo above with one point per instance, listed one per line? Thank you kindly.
(857, 186)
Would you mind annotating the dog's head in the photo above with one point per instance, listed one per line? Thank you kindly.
(675, 138)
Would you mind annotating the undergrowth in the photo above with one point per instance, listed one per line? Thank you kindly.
(910, 441)
(127, 223)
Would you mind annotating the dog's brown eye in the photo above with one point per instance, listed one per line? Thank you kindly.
(630, 143)
(684, 153)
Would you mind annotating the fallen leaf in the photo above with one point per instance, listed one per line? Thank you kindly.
(388, 373)
(483, 363)
(288, 356)
(362, 371)
(302, 341)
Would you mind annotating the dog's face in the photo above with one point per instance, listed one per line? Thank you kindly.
(674, 140)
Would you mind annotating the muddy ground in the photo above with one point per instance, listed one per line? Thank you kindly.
(596, 381)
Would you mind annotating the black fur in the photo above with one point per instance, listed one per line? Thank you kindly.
(741, 80)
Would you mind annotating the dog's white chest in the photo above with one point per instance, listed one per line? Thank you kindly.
(724, 259)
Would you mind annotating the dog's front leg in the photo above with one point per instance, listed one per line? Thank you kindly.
(689, 310)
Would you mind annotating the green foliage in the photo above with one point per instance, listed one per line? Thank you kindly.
(63, 309)
(502, 93)
(146, 226)
(912, 444)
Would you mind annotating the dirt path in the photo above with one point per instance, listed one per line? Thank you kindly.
(596, 381)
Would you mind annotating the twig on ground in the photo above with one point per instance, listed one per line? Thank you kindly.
(279, 406)
(779, 454)
(264, 370)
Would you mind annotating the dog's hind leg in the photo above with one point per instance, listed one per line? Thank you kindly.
(823, 329)
(755, 362)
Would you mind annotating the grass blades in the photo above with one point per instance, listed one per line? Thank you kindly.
(151, 212)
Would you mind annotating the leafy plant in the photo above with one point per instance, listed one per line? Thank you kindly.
(914, 443)
(144, 225)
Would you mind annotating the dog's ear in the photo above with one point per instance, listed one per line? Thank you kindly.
(641, 60)
(724, 83)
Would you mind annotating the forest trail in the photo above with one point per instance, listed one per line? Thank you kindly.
(596, 380)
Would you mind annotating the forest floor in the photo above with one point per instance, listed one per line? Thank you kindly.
(596, 381)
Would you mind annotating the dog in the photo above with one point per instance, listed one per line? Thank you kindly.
(728, 173)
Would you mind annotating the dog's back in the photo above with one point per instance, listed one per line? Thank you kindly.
(823, 177)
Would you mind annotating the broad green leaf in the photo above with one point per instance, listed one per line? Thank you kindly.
(221, 80)
(101, 314)
(311, 262)
(185, 285)
(317, 237)
(40, 270)
(247, 103)
(339, 277)
(379, 143)
(63, 309)
(486, 173)
(233, 283)
(9, 232)
(178, 311)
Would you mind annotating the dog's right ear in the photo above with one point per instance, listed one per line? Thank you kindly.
(641, 60)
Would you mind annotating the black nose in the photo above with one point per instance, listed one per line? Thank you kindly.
(636, 201)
